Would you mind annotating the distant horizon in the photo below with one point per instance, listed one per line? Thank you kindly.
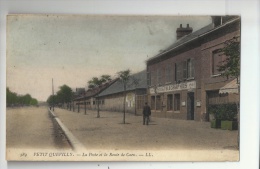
(72, 49)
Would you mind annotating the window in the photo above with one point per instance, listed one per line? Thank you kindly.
(169, 102)
(177, 102)
(168, 73)
(103, 101)
(158, 102)
(178, 71)
(190, 67)
(217, 59)
(159, 77)
(184, 70)
(153, 77)
(148, 79)
(94, 102)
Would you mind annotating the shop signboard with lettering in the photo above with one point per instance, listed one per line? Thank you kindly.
(173, 87)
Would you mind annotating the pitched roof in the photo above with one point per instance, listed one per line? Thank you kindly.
(186, 38)
(192, 36)
(95, 91)
(117, 87)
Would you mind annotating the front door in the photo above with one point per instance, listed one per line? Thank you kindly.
(190, 106)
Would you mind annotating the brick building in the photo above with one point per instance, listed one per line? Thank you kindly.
(184, 79)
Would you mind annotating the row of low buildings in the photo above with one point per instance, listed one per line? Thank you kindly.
(181, 81)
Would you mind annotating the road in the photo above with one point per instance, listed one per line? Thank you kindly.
(190, 140)
(32, 128)
(166, 139)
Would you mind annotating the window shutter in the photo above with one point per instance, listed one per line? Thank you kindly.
(171, 73)
(179, 71)
(192, 67)
(158, 76)
(184, 66)
(175, 72)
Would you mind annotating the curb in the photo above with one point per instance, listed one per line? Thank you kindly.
(74, 142)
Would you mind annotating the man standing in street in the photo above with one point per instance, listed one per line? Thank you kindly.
(146, 114)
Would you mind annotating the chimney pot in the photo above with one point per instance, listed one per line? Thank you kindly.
(183, 31)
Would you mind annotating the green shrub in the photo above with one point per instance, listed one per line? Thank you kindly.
(224, 111)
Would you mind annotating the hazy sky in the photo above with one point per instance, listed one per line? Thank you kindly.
(72, 49)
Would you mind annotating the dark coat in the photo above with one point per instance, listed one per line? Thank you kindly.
(146, 110)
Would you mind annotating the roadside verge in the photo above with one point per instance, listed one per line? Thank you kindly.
(74, 142)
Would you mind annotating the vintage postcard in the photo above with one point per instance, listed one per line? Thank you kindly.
(122, 88)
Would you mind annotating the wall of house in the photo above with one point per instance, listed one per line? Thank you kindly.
(201, 52)
(183, 55)
(115, 102)
(210, 82)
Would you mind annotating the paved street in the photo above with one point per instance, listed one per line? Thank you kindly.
(32, 128)
(108, 132)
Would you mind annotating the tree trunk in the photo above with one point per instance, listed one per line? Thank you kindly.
(85, 107)
(98, 115)
(124, 102)
(135, 101)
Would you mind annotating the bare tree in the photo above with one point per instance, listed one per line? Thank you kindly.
(124, 77)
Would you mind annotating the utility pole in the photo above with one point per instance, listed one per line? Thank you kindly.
(52, 96)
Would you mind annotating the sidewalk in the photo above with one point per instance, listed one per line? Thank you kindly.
(108, 132)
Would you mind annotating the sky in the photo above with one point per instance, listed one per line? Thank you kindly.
(72, 49)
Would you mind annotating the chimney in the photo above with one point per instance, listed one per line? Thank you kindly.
(216, 20)
(183, 31)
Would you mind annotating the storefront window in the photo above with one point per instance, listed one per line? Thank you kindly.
(169, 102)
(158, 102)
(177, 102)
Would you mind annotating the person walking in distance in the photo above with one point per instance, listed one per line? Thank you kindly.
(146, 114)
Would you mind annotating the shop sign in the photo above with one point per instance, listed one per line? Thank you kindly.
(174, 87)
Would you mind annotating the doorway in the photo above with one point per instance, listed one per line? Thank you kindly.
(190, 106)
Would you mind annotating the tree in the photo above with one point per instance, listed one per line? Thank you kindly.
(12, 99)
(94, 82)
(97, 82)
(64, 95)
(105, 78)
(52, 100)
(124, 78)
(230, 67)
(26, 99)
(34, 102)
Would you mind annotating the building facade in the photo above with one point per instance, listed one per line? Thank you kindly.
(90, 99)
(184, 79)
(113, 96)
